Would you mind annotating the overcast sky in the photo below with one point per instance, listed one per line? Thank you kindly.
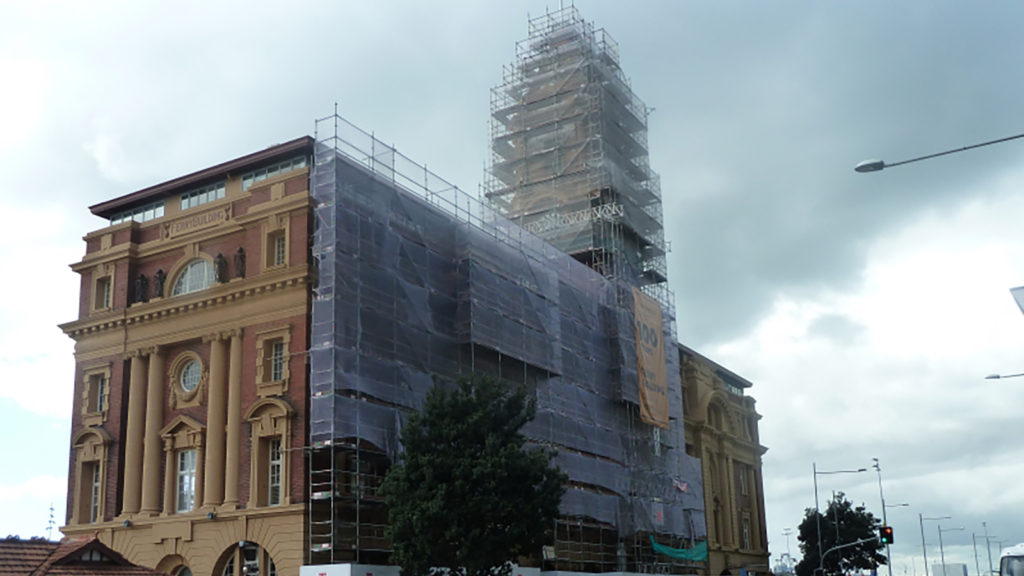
(865, 308)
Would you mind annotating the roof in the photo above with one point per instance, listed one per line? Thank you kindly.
(80, 556)
(204, 176)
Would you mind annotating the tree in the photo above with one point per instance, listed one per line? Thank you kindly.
(466, 496)
(854, 524)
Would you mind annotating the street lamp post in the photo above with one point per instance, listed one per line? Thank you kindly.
(885, 521)
(977, 565)
(924, 549)
(817, 512)
(942, 555)
(876, 165)
(789, 554)
(988, 546)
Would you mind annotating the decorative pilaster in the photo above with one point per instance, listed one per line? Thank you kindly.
(134, 435)
(153, 445)
(213, 481)
(170, 477)
(234, 420)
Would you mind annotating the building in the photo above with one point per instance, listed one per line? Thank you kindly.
(84, 556)
(252, 336)
(191, 388)
(297, 303)
(722, 430)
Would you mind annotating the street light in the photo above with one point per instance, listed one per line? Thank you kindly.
(817, 513)
(942, 554)
(924, 549)
(988, 546)
(1000, 376)
(885, 521)
(876, 165)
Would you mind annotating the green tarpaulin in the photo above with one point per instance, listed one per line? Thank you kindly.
(698, 553)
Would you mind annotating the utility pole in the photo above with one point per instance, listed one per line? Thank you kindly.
(977, 567)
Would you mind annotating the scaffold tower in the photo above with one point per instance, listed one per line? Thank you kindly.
(569, 159)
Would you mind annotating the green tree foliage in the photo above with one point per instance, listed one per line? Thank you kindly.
(855, 523)
(466, 496)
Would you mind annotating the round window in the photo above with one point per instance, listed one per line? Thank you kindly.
(190, 376)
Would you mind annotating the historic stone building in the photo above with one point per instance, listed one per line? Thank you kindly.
(721, 429)
(190, 381)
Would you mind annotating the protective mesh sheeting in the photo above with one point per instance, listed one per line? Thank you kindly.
(600, 507)
(419, 283)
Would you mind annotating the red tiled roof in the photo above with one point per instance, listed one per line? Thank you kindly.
(65, 558)
(19, 557)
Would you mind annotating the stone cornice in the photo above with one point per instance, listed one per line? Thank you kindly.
(165, 308)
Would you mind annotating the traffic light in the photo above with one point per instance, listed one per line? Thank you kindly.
(885, 534)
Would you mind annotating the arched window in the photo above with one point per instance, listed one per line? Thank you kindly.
(196, 275)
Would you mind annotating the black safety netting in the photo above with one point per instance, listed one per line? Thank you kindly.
(419, 283)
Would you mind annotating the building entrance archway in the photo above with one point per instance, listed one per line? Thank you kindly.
(245, 559)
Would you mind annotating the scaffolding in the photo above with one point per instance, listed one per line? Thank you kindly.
(569, 158)
(418, 282)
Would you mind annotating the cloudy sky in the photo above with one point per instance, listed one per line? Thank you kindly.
(866, 308)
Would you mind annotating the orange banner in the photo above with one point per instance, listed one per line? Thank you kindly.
(650, 360)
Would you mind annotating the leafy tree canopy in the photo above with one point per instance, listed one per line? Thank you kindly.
(466, 496)
(854, 523)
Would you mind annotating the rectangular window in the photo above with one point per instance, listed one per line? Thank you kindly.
(274, 472)
(277, 359)
(279, 249)
(744, 489)
(186, 480)
(97, 394)
(102, 300)
(141, 214)
(746, 533)
(202, 195)
(94, 503)
(273, 170)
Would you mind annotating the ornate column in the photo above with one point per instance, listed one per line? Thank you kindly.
(134, 435)
(153, 445)
(234, 421)
(213, 479)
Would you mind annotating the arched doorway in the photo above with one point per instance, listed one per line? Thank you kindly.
(245, 559)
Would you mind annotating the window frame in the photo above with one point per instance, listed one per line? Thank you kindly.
(145, 213)
(276, 229)
(269, 420)
(278, 358)
(203, 195)
(186, 275)
(275, 471)
(190, 376)
(90, 447)
(268, 382)
(95, 398)
(181, 435)
(183, 457)
(96, 489)
(254, 177)
(180, 396)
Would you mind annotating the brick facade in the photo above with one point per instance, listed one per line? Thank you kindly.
(123, 477)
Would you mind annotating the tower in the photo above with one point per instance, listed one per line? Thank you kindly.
(569, 159)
